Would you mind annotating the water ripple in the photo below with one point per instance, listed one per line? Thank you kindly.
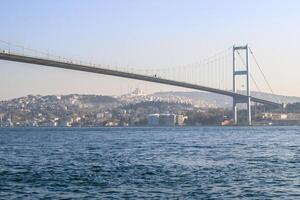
(150, 163)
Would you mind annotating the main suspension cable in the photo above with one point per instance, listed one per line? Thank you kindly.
(252, 78)
(263, 74)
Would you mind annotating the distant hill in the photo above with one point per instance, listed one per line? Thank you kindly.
(158, 107)
(212, 99)
(195, 98)
(74, 102)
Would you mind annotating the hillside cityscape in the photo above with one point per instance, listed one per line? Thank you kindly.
(134, 109)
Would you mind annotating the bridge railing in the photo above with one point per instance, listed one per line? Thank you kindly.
(214, 72)
(209, 72)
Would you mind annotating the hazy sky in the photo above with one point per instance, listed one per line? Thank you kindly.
(144, 33)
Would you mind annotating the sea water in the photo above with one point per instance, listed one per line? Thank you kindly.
(150, 163)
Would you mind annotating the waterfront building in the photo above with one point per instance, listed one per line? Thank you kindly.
(180, 120)
(167, 119)
(153, 120)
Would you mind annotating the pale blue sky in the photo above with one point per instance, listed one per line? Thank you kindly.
(144, 33)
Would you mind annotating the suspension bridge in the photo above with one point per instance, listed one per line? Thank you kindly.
(226, 73)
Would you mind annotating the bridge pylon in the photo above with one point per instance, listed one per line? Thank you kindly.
(241, 72)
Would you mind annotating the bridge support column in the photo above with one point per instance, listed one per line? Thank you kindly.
(248, 88)
(234, 112)
(249, 111)
(241, 72)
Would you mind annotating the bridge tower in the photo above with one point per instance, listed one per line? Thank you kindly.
(241, 72)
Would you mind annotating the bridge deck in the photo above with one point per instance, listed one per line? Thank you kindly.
(91, 69)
